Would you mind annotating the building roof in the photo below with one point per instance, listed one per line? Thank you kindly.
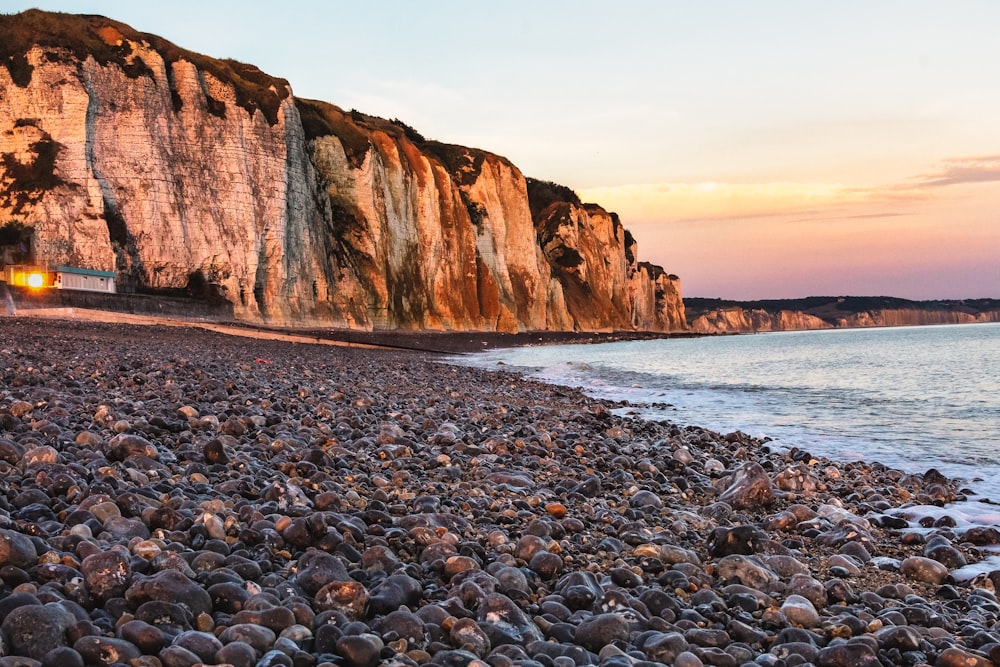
(85, 272)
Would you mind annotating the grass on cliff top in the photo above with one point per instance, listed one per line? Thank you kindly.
(85, 35)
(354, 130)
(463, 163)
(542, 194)
(322, 119)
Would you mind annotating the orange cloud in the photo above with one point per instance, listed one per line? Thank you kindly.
(715, 201)
(729, 201)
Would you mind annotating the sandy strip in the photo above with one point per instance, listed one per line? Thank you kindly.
(129, 318)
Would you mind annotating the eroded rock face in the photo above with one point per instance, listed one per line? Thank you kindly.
(745, 320)
(123, 152)
(594, 259)
(717, 316)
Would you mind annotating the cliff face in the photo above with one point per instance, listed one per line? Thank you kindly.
(740, 320)
(593, 258)
(126, 153)
(904, 317)
(710, 316)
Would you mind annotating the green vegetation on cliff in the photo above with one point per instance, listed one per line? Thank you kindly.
(542, 194)
(322, 119)
(107, 42)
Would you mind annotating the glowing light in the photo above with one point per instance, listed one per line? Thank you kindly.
(35, 280)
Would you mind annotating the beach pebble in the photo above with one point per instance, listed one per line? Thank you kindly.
(926, 570)
(646, 499)
(97, 650)
(178, 656)
(10, 451)
(170, 586)
(317, 569)
(275, 658)
(598, 631)
(34, 630)
(39, 456)
(901, 637)
(63, 656)
(743, 540)
(750, 488)
(126, 445)
(851, 654)
(956, 657)
(203, 644)
(689, 659)
(393, 592)
(360, 650)
(466, 634)
(107, 574)
(148, 638)
(798, 479)
(745, 570)
(236, 653)
(847, 564)
(16, 549)
(347, 597)
(941, 550)
(19, 408)
(168, 617)
(546, 565)
(665, 646)
(277, 619)
(257, 636)
(811, 589)
(800, 611)
(504, 622)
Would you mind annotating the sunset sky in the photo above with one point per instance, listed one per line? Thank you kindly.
(757, 149)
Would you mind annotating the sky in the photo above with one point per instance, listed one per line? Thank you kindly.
(759, 150)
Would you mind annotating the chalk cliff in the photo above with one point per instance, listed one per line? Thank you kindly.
(123, 152)
(710, 316)
(741, 320)
(905, 317)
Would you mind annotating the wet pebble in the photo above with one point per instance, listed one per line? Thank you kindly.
(750, 488)
(926, 570)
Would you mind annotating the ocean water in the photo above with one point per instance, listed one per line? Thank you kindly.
(913, 398)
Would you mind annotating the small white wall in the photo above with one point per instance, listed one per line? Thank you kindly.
(65, 280)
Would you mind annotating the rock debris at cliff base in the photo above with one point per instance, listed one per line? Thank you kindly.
(176, 497)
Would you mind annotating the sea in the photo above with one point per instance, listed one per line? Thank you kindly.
(912, 398)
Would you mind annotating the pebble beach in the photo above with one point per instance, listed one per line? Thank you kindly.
(171, 497)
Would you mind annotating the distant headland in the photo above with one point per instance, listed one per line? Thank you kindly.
(711, 316)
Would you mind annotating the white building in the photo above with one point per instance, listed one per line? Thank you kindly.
(90, 280)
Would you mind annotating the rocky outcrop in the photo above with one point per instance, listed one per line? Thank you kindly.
(904, 317)
(740, 320)
(593, 257)
(121, 151)
(710, 316)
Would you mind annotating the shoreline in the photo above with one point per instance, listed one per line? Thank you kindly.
(441, 342)
(189, 493)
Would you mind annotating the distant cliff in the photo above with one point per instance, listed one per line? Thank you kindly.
(121, 151)
(718, 316)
